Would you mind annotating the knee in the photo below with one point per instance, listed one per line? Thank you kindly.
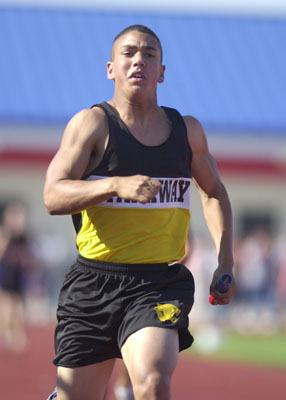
(152, 385)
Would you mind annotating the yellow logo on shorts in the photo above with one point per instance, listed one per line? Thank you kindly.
(167, 312)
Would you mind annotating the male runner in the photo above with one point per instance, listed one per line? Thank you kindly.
(124, 171)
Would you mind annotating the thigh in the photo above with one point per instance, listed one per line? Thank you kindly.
(88, 383)
(151, 349)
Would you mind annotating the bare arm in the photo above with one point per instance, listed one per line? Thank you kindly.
(215, 202)
(65, 192)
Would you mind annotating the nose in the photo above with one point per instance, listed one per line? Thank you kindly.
(138, 58)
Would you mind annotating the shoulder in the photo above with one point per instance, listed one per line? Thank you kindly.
(196, 135)
(86, 124)
(90, 118)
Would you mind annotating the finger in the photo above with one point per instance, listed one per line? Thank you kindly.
(220, 298)
(149, 192)
(155, 183)
(143, 199)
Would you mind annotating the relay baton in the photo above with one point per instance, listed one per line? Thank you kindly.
(222, 286)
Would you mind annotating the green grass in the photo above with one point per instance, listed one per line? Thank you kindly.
(262, 350)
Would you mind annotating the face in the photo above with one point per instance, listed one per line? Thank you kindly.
(15, 218)
(136, 65)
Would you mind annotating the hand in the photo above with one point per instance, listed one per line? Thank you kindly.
(219, 298)
(137, 188)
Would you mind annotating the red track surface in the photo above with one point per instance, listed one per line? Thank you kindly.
(31, 376)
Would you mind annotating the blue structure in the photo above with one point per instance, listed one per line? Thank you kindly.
(229, 72)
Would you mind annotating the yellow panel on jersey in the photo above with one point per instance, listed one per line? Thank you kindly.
(129, 232)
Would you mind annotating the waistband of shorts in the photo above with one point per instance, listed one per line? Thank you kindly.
(118, 268)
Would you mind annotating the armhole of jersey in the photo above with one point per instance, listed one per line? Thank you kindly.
(174, 114)
(77, 222)
(107, 115)
(103, 107)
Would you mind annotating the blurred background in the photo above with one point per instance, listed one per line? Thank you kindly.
(226, 65)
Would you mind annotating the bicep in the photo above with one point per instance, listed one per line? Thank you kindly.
(68, 163)
(204, 169)
(72, 158)
(205, 174)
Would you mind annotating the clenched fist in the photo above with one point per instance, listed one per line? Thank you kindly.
(137, 188)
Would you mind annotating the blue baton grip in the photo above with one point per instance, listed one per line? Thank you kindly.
(224, 281)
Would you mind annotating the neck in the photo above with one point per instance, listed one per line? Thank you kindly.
(130, 109)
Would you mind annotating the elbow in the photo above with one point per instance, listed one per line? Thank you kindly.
(50, 208)
(55, 205)
(50, 203)
(218, 191)
(52, 211)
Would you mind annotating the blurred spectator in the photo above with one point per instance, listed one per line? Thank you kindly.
(255, 269)
(56, 253)
(259, 306)
(17, 267)
(279, 257)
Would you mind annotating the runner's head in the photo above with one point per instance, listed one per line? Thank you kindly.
(136, 28)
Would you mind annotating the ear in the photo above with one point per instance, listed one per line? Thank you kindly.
(110, 72)
(162, 74)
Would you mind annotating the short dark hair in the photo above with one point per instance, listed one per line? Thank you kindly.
(137, 28)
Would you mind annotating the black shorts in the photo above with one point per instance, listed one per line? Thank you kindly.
(101, 304)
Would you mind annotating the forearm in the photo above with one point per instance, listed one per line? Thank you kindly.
(71, 196)
(218, 215)
(66, 196)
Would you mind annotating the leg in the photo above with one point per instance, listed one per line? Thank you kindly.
(122, 388)
(151, 355)
(88, 383)
(123, 378)
(12, 319)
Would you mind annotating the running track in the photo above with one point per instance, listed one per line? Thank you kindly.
(31, 376)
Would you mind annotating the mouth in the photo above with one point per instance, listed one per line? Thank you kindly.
(138, 76)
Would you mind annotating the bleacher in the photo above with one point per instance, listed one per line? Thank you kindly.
(230, 72)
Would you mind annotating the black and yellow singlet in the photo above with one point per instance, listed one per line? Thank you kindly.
(123, 231)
